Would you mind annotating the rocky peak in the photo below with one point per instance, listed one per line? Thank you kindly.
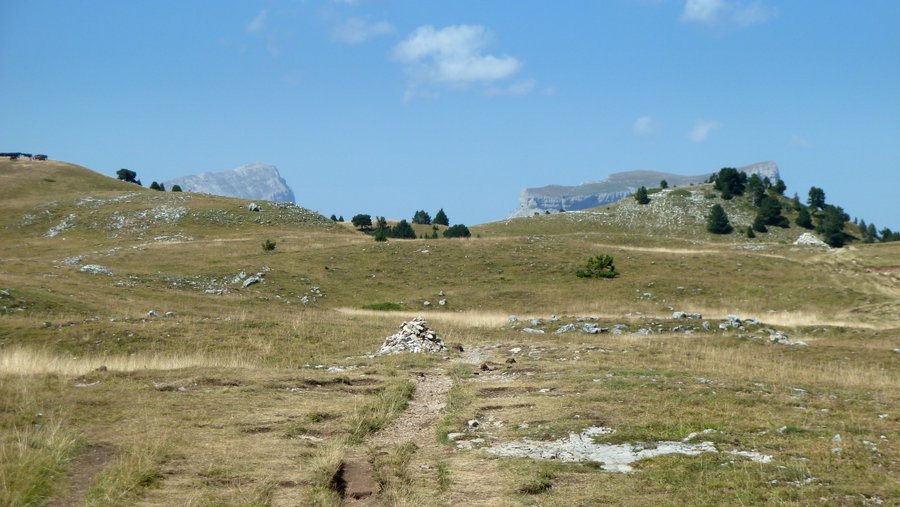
(250, 181)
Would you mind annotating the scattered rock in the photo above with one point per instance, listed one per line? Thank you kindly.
(473, 423)
(686, 315)
(565, 329)
(426, 303)
(253, 207)
(512, 318)
(413, 336)
(536, 322)
(252, 280)
(510, 360)
(442, 302)
(533, 331)
(95, 269)
(554, 318)
(151, 313)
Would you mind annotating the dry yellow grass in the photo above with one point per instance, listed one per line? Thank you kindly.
(26, 361)
(463, 319)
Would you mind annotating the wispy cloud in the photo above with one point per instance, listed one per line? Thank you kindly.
(259, 22)
(701, 130)
(452, 56)
(733, 12)
(800, 142)
(517, 89)
(357, 31)
(644, 125)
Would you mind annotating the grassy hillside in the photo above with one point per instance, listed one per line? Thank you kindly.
(255, 395)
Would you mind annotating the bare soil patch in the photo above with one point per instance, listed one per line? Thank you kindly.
(82, 472)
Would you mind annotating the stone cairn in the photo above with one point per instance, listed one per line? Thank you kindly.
(413, 336)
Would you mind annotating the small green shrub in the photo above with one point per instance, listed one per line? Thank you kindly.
(600, 266)
(384, 306)
(268, 245)
(680, 192)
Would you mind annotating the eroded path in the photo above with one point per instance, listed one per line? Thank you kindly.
(415, 428)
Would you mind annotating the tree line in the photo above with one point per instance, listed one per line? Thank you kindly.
(381, 230)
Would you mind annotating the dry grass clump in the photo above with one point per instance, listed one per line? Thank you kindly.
(32, 458)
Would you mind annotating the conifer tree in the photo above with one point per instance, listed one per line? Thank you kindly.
(717, 221)
(440, 218)
(641, 196)
(804, 219)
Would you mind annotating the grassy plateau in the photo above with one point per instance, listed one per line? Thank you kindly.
(153, 376)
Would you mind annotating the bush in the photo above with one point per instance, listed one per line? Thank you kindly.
(384, 306)
(268, 245)
(730, 182)
(457, 231)
(804, 219)
(600, 266)
(402, 230)
(361, 221)
(750, 233)
(380, 235)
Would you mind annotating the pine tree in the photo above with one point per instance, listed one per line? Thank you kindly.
(717, 221)
(816, 198)
(176, 188)
(154, 186)
(804, 219)
(756, 189)
(663, 184)
(872, 232)
(770, 212)
(341, 218)
(440, 218)
(421, 217)
(759, 224)
(333, 217)
(402, 230)
(779, 187)
(641, 196)
(750, 233)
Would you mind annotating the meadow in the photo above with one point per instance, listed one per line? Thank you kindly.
(165, 381)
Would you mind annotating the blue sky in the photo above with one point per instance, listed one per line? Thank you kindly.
(389, 106)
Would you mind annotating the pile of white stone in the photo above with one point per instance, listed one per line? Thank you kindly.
(810, 239)
(413, 336)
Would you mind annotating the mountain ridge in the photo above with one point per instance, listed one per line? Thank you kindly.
(614, 187)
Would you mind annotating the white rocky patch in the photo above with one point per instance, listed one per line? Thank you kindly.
(63, 226)
(612, 457)
(810, 239)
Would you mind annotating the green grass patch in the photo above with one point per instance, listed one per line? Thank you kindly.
(384, 306)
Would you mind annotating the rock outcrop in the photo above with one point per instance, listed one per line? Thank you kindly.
(251, 181)
(615, 187)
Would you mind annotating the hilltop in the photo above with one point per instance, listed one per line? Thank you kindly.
(153, 352)
(614, 187)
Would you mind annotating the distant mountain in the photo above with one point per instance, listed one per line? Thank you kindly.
(613, 188)
(251, 181)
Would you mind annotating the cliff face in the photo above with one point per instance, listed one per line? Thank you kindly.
(615, 187)
(251, 181)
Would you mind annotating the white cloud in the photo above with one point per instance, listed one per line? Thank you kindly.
(259, 22)
(453, 56)
(644, 125)
(357, 31)
(716, 12)
(701, 130)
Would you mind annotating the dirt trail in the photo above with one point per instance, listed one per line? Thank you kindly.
(82, 472)
(417, 424)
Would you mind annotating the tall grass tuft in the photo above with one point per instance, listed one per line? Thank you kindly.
(31, 459)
